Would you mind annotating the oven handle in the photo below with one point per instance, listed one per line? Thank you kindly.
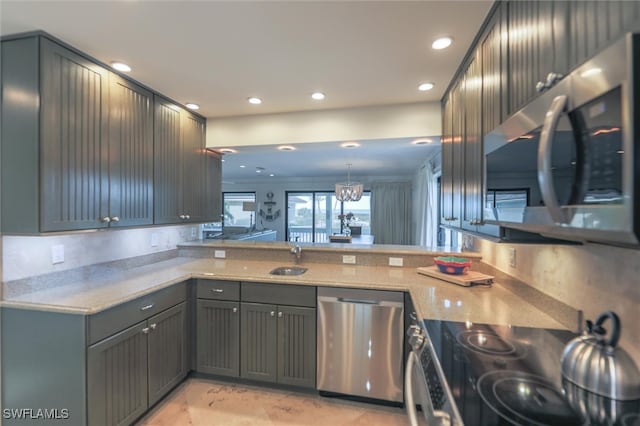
(433, 417)
(545, 177)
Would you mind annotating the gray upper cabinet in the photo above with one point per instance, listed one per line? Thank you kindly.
(186, 181)
(130, 154)
(74, 117)
(493, 47)
(452, 158)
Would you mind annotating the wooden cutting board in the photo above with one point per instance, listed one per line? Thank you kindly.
(467, 280)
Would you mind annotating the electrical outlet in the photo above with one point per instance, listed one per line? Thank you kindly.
(57, 254)
(155, 239)
(512, 257)
(220, 254)
(349, 259)
(395, 261)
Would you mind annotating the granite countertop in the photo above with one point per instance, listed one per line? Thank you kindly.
(433, 298)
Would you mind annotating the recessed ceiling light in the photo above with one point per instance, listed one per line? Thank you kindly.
(318, 96)
(271, 175)
(242, 166)
(120, 66)
(287, 148)
(259, 169)
(422, 141)
(192, 106)
(255, 101)
(228, 151)
(350, 145)
(442, 43)
(425, 86)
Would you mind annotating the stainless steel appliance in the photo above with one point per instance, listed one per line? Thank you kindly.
(568, 164)
(501, 375)
(360, 341)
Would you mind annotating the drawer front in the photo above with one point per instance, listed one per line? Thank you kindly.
(218, 290)
(279, 294)
(111, 321)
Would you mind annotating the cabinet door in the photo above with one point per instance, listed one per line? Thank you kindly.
(167, 351)
(473, 155)
(117, 377)
(297, 346)
(194, 168)
(258, 341)
(218, 339)
(167, 155)
(446, 181)
(130, 154)
(74, 174)
(457, 153)
(213, 188)
(493, 60)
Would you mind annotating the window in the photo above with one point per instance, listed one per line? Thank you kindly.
(232, 212)
(313, 216)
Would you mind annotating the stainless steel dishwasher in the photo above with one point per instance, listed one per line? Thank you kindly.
(360, 342)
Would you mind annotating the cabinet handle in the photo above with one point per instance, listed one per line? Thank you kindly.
(187, 217)
(145, 330)
(115, 219)
(217, 290)
(105, 219)
(147, 307)
(235, 310)
(153, 326)
(279, 314)
(273, 314)
(182, 216)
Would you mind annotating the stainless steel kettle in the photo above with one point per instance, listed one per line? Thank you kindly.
(593, 362)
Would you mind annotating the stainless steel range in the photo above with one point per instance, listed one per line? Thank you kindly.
(481, 374)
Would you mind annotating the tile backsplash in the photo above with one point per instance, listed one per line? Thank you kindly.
(592, 277)
(27, 256)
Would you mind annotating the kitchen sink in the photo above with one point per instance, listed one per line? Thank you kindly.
(288, 270)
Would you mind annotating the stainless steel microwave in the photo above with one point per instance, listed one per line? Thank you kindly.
(568, 164)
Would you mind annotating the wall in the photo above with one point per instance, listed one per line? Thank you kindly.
(593, 278)
(280, 186)
(373, 122)
(27, 256)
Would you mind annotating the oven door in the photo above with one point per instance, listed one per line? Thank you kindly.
(563, 165)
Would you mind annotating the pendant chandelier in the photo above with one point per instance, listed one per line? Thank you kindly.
(348, 191)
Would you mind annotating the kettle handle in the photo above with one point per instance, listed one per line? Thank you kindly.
(614, 336)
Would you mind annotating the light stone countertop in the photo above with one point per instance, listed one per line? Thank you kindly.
(433, 298)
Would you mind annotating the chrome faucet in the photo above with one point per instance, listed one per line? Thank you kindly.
(297, 250)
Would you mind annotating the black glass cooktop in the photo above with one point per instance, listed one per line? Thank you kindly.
(503, 375)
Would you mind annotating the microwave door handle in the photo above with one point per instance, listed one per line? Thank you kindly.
(545, 177)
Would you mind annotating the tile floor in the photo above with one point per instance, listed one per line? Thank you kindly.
(206, 403)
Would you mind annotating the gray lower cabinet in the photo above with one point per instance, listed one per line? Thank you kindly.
(132, 370)
(278, 344)
(218, 337)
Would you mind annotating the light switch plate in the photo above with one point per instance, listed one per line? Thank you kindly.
(396, 261)
(220, 254)
(57, 254)
(155, 239)
(349, 259)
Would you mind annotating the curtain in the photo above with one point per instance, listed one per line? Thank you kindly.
(391, 212)
(426, 198)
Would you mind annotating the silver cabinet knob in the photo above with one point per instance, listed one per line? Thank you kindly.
(115, 219)
(273, 314)
(182, 216)
(540, 86)
(153, 326)
(235, 310)
(187, 217)
(105, 219)
(279, 314)
(145, 330)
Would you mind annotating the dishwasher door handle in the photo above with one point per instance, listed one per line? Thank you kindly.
(360, 301)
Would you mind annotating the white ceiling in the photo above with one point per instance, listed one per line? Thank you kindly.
(380, 157)
(219, 53)
(359, 53)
